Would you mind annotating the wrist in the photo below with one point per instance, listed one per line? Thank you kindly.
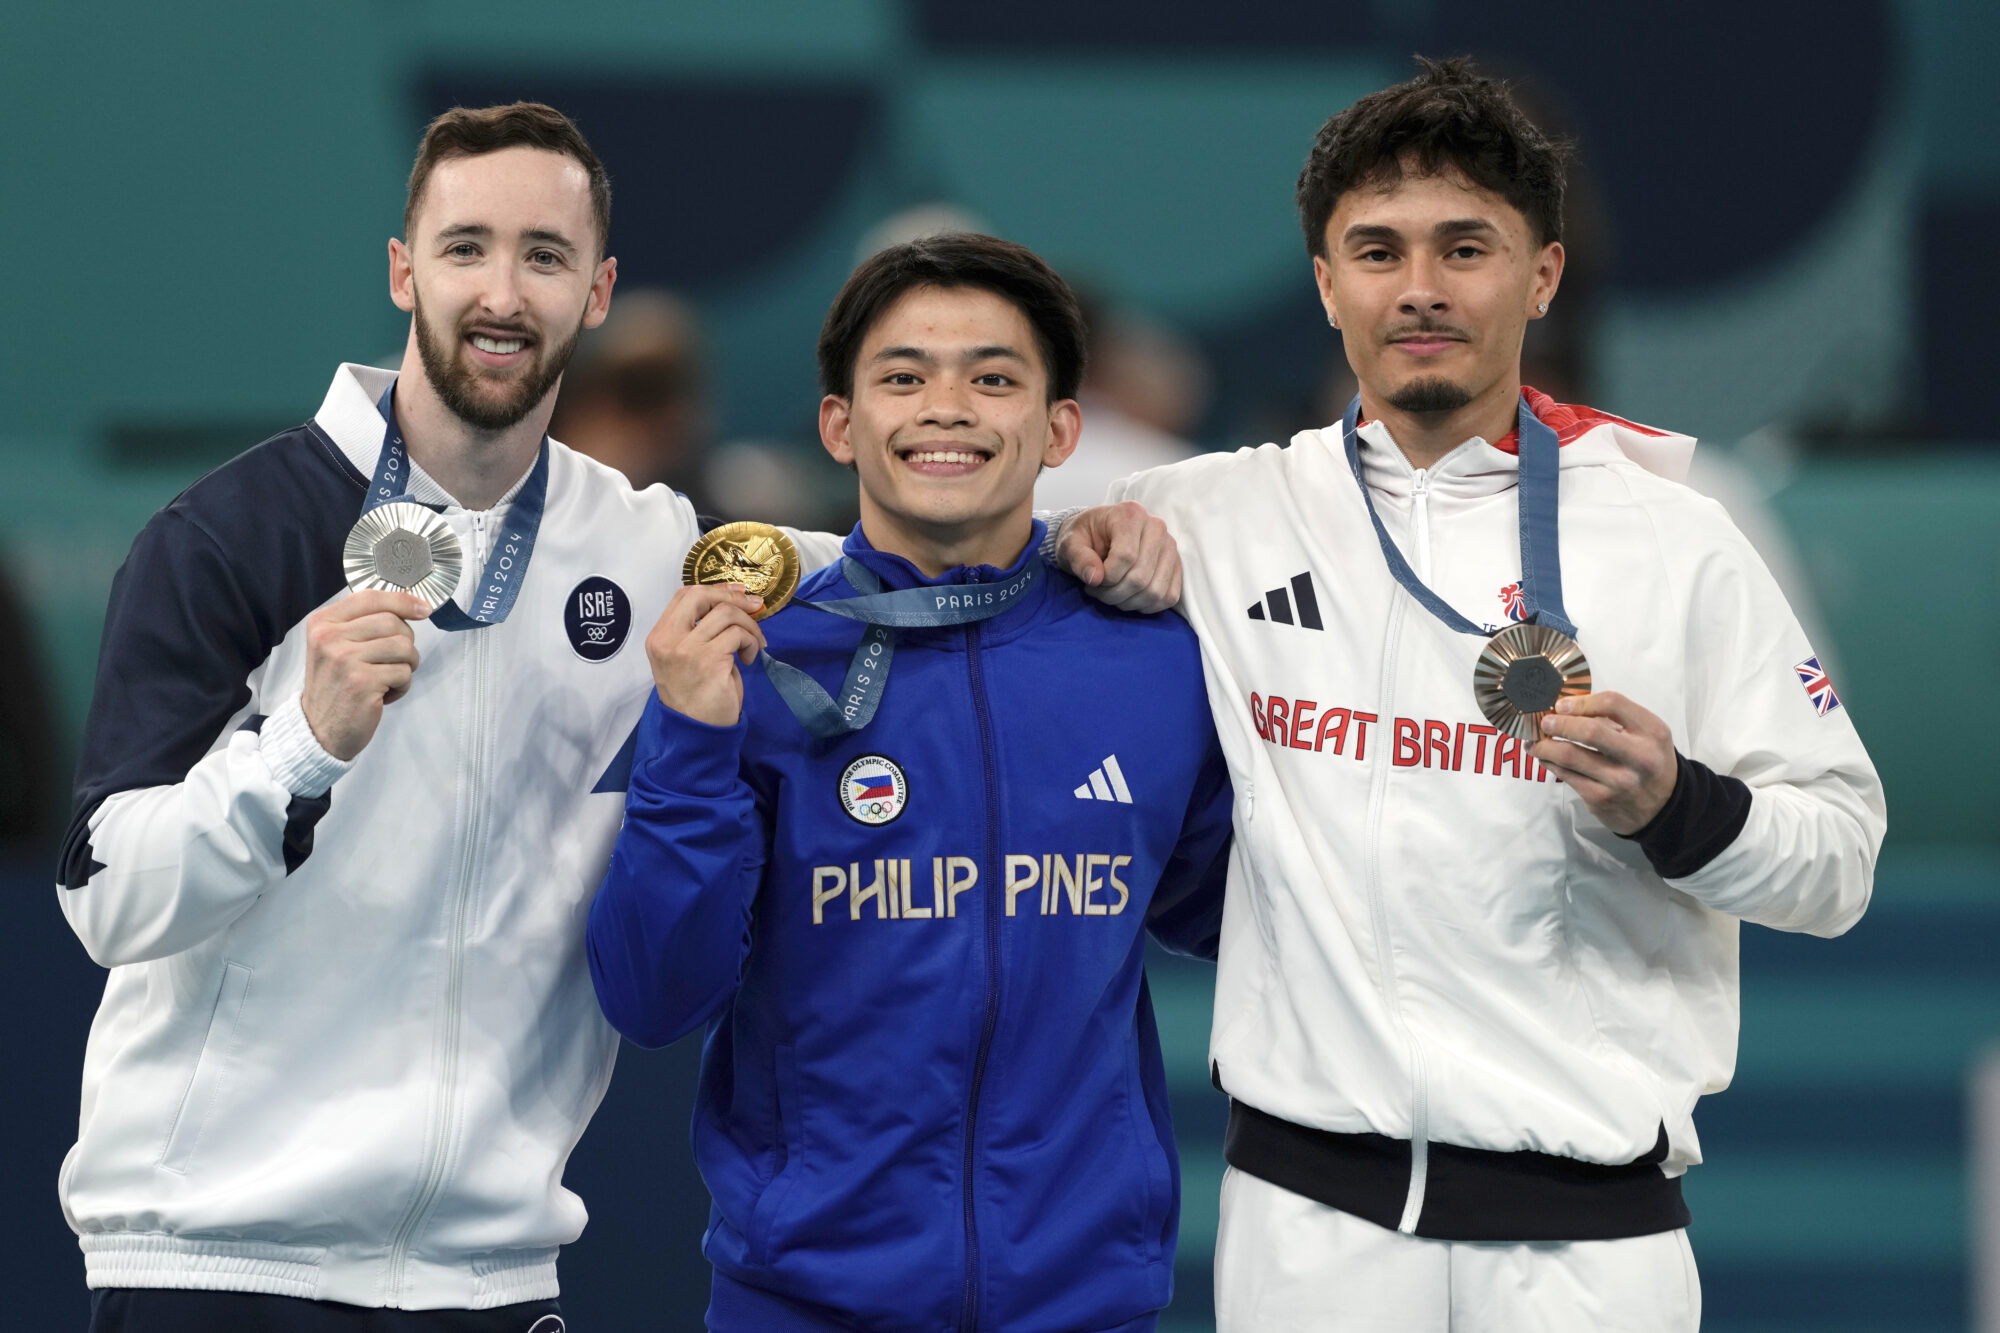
(1700, 818)
(684, 754)
(1057, 521)
(298, 761)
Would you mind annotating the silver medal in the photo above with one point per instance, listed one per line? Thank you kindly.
(404, 547)
(1522, 672)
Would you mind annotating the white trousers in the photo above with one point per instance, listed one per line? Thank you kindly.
(1285, 1264)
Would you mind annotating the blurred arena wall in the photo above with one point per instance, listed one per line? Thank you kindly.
(1789, 250)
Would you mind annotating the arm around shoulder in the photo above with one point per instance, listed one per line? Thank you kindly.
(816, 549)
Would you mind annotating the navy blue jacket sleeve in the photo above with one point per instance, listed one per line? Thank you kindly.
(670, 926)
(1186, 914)
(187, 808)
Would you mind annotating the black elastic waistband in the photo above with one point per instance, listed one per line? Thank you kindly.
(1469, 1193)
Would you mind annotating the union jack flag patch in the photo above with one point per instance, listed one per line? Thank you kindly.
(1818, 688)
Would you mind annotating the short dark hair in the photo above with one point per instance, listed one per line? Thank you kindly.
(471, 132)
(1450, 117)
(955, 259)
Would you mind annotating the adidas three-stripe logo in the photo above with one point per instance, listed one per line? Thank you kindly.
(1107, 783)
(1280, 604)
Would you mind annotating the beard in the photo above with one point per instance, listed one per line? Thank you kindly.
(471, 394)
(1430, 395)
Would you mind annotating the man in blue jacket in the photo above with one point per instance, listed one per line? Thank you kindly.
(932, 1094)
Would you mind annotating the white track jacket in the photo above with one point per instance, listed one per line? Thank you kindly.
(349, 1038)
(1428, 939)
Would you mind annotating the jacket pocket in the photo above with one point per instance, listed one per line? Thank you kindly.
(1153, 1132)
(764, 1217)
(212, 1070)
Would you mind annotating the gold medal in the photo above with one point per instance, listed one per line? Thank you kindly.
(756, 555)
(403, 547)
(1522, 672)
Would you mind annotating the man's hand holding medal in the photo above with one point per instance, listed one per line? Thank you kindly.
(734, 577)
(361, 655)
(1619, 758)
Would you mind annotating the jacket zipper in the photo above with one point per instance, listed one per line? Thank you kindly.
(1378, 910)
(968, 1315)
(1420, 523)
(436, 1153)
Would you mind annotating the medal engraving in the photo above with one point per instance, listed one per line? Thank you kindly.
(756, 555)
(1532, 684)
(1521, 674)
(403, 558)
(404, 547)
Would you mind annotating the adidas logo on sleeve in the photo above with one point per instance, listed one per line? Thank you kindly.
(1107, 783)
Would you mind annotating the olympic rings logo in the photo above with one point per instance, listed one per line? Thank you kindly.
(873, 790)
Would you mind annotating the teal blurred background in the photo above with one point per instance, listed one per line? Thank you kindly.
(1786, 241)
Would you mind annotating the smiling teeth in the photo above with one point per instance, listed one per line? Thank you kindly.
(498, 346)
(942, 456)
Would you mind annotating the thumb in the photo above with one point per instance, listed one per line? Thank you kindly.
(1080, 553)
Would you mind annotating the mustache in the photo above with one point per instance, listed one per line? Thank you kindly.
(500, 327)
(1435, 328)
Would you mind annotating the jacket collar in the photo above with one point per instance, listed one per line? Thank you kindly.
(896, 573)
(1478, 468)
(350, 418)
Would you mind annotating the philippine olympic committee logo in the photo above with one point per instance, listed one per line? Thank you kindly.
(873, 790)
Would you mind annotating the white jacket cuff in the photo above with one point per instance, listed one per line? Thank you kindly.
(1055, 519)
(297, 761)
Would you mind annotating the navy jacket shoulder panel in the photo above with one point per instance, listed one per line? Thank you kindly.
(214, 582)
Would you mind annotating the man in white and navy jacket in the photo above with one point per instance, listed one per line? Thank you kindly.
(349, 1039)
(1471, 987)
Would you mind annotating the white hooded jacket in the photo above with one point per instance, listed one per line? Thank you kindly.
(1428, 938)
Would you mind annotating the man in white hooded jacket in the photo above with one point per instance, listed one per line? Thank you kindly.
(1472, 986)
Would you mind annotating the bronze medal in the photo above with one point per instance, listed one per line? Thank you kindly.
(1522, 672)
(756, 555)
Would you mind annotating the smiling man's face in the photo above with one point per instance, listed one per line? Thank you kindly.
(502, 273)
(948, 425)
(1432, 281)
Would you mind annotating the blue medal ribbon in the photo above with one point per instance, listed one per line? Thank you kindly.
(507, 564)
(1541, 562)
(928, 607)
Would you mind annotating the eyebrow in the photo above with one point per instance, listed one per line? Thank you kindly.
(473, 231)
(918, 354)
(1463, 227)
(1442, 231)
(543, 236)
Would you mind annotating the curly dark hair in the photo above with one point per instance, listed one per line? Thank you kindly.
(955, 259)
(1449, 118)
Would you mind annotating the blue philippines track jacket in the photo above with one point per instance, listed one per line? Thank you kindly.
(932, 1094)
